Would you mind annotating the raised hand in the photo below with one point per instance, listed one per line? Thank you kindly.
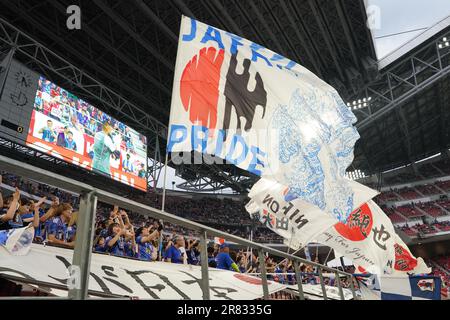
(55, 201)
(16, 194)
(40, 202)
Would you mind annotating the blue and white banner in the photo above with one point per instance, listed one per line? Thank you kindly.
(238, 101)
(410, 288)
(17, 241)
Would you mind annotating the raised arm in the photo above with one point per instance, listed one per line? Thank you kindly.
(113, 241)
(12, 207)
(124, 214)
(154, 235)
(36, 212)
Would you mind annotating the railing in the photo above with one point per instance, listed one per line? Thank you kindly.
(85, 232)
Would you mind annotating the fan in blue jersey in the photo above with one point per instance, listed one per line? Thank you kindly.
(115, 242)
(57, 228)
(146, 251)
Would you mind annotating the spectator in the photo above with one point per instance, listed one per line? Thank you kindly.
(12, 207)
(72, 227)
(57, 228)
(115, 242)
(224, 260)
(173, 254)
(193, 252)
(146, 251)
(211, 258)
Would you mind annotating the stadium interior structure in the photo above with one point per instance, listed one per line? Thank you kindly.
(122, 61)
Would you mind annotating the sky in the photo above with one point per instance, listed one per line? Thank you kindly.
(404, 15)
(395, 16)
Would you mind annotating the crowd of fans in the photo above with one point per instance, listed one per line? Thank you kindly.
(53, 213)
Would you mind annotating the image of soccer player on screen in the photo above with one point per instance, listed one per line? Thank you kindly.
(104, 148)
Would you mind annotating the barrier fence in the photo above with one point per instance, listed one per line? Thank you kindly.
(85, 233)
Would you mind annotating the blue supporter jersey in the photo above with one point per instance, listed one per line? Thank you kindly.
(37, 231)
(174, 255)
(224, 261)
(280, 275)
(118, 249)
(193, 257)
(71, 232)
(58, 228)
(100, 248)
(145, 249)
(16, 222)
(104, 233)
(128, 249)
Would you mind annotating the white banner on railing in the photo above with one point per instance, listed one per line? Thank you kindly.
(132, 278)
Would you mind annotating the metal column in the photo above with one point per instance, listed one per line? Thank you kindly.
(338, 279)
(204, 262)
(298, 277)
(262, 264)
(352, 287)
(322, 284)
(83, 247)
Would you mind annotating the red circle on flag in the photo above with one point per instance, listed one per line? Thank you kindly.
(403, 259)
(249, 279)
(358, 225)
(199, 86)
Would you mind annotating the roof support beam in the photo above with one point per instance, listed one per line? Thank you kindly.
(126, 27)
(149, 13)
(325, 34)
(262, 20)
(347, 32)
(125, 59)
(311, 58)
(230, 20)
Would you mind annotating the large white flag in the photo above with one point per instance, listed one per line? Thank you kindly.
(367, 237)
(262, 112)
(17, 241)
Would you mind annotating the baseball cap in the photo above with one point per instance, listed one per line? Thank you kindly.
(224, 245)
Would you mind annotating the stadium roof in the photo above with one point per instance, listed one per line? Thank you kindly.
(406, 112)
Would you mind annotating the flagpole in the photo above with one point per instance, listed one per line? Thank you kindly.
(163, 206)
(177, 62)
(326, 259)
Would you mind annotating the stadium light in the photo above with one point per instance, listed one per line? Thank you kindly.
(444, 43)
(355, 175)
(359, 103)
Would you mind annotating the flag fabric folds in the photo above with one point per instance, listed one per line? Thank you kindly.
(17, 241)
(297, 221)
(235, 100)
(238, 101)
(367, 237)
(410, 288)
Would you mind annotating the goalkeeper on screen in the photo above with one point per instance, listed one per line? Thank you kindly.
(104, 148)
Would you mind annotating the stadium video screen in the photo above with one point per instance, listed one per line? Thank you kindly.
(71, 129)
